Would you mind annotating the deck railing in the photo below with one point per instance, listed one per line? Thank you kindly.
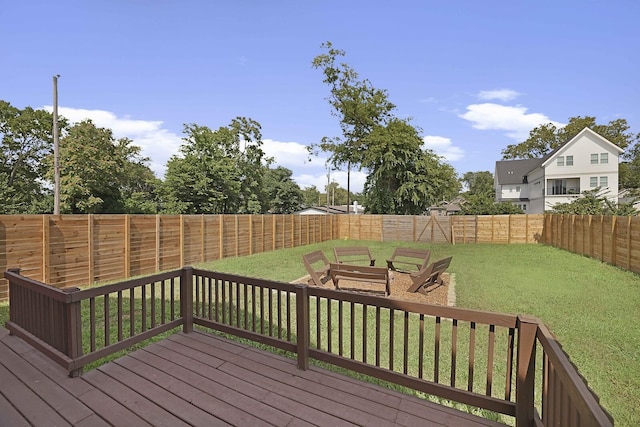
(465, 356)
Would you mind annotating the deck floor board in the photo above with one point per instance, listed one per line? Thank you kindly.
(202, 380)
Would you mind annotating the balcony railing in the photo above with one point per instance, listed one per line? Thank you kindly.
(462, 355)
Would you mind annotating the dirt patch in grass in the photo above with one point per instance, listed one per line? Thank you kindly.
(441, 295)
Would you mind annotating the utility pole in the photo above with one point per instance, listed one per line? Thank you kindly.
(56, 150)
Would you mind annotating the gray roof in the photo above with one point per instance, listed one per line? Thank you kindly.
(513, 171)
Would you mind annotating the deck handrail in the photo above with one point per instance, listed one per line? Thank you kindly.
(310, 322)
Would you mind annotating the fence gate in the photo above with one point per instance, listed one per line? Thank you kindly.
(434, 229)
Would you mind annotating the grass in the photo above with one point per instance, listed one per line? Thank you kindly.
(592, 308)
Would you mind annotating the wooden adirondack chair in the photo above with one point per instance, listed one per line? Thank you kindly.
(428, 276)
(353, 254)
(409, 257)
(361, 273)
(317, 266)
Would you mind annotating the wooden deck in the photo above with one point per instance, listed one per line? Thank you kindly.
(199, 379)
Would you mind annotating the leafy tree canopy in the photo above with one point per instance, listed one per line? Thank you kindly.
(546, 138)
(26, 138)
(479, 183)
(219, 172)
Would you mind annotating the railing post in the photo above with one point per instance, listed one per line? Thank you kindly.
(525, 377)
(13, 307)
(73, 330)
(186, 299)
(302, 326)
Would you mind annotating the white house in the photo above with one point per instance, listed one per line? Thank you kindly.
(585, 162)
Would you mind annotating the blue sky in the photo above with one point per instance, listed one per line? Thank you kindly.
(475, 76)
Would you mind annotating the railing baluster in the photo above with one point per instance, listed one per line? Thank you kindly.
(270, 312)
(509, 377)
(210, 299)
(492, 339)
(223, 302)
(378, 335)
(152, 301)
(92, 324)
(472, 354)
(253, 307)
(230, 301)
(288, 316)
(197, 297)
(364, 333)
(436, 352)
(454, 350)
(132, 312)
(353, 323)
(107, 329)
(163, 302)
(217, 300)
(340, 329)
(421, 346)
(329, 328)
(279, 300)
(120, 316)
(245, 293)
(143, 301)
(238, 306)
(391, 337)
(405, 368)
(318, 333)
(173, 299)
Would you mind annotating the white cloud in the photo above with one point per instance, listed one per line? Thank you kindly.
(513, 120)
(443, 147)
(157, 143)
(499, 94)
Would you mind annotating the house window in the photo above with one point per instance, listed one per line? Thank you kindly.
(604, 181)
(593, 181)
(517, 188)
(594, 159)
(559, 186)
(560, 160)
(604, 158)
(569, 161)
(524, 207)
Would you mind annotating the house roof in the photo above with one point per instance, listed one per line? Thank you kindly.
(513, 171)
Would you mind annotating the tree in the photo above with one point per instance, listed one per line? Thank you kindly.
(479, 204)
(311, 197)
(479, 183)
(595, 202)
(219, 171)
(546, 138)
(93, 166)
(283, 196)
(358, 105)
(404, 178)
(25, 141)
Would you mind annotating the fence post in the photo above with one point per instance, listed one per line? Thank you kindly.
(186, 299)
(525, 377)
(302, 326)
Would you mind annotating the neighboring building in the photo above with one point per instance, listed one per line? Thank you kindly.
(585, 162)
(335, 209)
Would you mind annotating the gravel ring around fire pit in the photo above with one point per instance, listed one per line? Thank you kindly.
(440, 295)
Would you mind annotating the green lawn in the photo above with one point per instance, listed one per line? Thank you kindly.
(592, 308)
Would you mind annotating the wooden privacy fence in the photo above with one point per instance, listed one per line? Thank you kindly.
(486, 360)
(442, 229)
(76, 250)
(611, 239)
